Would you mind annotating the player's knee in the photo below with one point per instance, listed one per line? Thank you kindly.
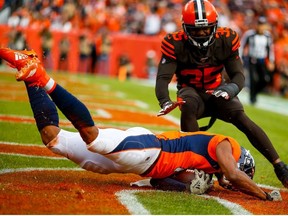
(89, 134)
(49, 133)
(194, 104)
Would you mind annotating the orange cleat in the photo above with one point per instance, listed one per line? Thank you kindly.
(29, 67)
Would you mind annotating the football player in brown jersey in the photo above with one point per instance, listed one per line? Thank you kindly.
(198, 55)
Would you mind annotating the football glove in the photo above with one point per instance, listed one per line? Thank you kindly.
(169, 106)
(201, 183)
(226, 91)
(273, 196)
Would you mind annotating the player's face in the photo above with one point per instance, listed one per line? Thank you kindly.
(200, 32)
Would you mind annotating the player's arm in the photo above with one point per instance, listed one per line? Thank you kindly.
(233, 66)
(235, 176)
(235, 71)
(166, 69)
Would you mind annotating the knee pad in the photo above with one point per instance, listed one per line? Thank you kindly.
(194, 103)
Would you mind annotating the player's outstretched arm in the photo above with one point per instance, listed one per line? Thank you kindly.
(238, 179)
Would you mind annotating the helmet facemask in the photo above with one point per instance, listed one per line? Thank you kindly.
(201, 42)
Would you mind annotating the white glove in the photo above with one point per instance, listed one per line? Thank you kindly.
(201, 183)
(273, 196)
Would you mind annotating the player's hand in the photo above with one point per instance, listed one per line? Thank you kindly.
(201, 183)
(226, 184)
(227, 91)
(169, 106)
(273, 196)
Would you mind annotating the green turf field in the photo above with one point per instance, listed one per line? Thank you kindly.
(15, 103)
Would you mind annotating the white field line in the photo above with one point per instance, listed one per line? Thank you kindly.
(129, 200)
(22, 144)
(33, 156)
(4, 171)
(233, 207)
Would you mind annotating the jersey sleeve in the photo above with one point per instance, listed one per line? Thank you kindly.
(231, 42)
(233, 63)
(166, 69)
(167, 47)
(236, 149)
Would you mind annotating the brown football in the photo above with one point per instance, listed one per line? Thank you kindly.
(185, 176)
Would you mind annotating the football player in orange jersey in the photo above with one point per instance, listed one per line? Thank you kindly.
(198, 55)
(135, 150)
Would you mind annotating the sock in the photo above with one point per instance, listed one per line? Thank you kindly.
(50, 86)
(44, 110)
(71, 107)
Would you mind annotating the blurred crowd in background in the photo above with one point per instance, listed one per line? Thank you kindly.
(103, 18)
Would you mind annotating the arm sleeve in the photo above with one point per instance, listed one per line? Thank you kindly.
(166, 70)
(235, 71)
(168, 184)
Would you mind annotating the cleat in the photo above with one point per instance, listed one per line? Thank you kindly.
(29, 67)
(281, 171)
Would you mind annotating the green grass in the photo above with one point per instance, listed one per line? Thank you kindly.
(88, 87)
(167, 203)
(13, 162)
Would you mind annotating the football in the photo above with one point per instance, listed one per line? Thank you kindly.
(185, 176)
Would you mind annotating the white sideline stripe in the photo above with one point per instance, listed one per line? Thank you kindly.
(233, 207)
(272, 187)
(129, 200)
(33, 156)
(22, 144)
(172, 119)
(141, 104)
(103, 113)
(4, 171)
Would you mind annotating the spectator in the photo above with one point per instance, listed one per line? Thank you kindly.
(85, 51)
(125, 68)
(105, 47)
(152, 25)
(17, 40)
(151, 64)
(64, 47)
(46, 45)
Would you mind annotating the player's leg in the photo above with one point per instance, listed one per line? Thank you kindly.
(45, 113)
(71, 145)
(233, 112)
(65, 143)
(191, 110)
(135, 149)
(32, 72)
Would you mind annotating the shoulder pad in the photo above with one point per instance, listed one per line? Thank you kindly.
(169, 43)
(230, 37)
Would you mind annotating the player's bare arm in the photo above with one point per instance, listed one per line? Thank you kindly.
(237, 178)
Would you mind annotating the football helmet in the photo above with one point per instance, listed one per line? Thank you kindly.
(246, 162)
(200, 15)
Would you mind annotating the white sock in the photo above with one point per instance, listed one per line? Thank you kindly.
(50, 85)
